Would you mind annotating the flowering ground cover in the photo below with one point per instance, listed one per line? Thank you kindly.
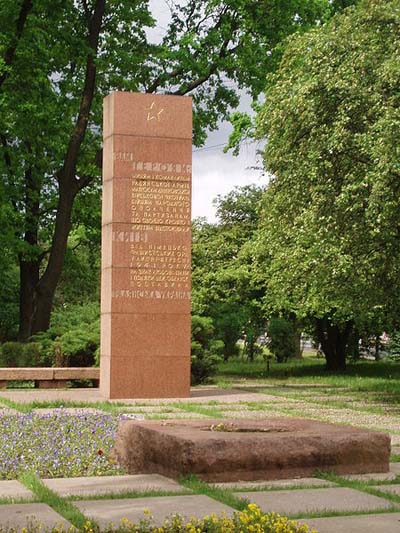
(58, 444)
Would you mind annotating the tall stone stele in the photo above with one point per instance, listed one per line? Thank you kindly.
(145, 286)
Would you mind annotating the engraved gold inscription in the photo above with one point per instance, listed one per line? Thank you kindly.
(147, 294)
(156, 202)
(152, 166)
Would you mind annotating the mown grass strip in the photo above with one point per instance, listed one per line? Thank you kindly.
(222, 495)
(332, 514)
(129, 494)
(62, 506)
(212, 412)
(270, 488)
(20, 407)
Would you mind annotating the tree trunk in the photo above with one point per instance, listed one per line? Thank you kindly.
(38, 303)
(377, 347)
(333, 339)
(29, 277)
(47, 285)
(29, 262)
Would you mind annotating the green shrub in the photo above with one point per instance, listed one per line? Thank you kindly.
(282, 339)
(19, 354)
(33, 355)
(11, 354)
(73, 337)
(205, 350)
(394, 347)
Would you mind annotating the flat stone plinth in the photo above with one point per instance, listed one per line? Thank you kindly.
(237, 450)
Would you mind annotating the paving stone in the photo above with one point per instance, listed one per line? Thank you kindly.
(87, 486)
(395, 468)
(149, 409)
(73, 411)
(278, 483)
(177, 416)
(253, 414)
(17, 516)
(7, 411)
(14, 489)
(383, 476)
(375, 523)
(106, 511)
(315, 500)
(393, 489)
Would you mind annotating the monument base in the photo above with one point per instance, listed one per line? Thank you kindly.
(236, 450)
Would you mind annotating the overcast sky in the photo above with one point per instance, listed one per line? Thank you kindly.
(217, 173)
(214, 172)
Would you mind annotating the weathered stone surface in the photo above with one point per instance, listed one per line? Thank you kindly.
(90, 486)
(146, 235)
(13, 489)
(17, 516)
(395, 468)
(295, 502)
(392, 489)
(276, 484)
(233, 450)
(375, 523)
(113, 511)
(41, 375)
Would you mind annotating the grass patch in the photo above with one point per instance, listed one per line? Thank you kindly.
(129, 494)
(332, 514)
(382, 377)
(20, 407)
(60, 505)
(364, 486)
(269, 488)
(199, 409)
(222, 495)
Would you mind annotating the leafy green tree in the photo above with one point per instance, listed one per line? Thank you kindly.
(222, 276)
(59, 58)
(282, 336)
(329, 245)
(205, 349)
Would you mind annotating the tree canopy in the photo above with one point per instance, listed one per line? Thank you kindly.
(59, 58)
(329, 242)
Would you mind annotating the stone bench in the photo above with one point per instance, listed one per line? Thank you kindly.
(49, 378)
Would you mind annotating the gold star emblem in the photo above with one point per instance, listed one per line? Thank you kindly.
(152, 113)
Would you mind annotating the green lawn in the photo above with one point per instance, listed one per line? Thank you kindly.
(379, 377)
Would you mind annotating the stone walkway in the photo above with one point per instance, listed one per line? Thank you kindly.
(343, 506)
(112, 499)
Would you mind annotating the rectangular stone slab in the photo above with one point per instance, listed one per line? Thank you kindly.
(106, 511)
(375, 523)
(296, 502)
(18, 516)
(90, 486)
(238, 450)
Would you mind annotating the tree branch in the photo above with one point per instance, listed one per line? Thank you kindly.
(9, 54)
(71, 158)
